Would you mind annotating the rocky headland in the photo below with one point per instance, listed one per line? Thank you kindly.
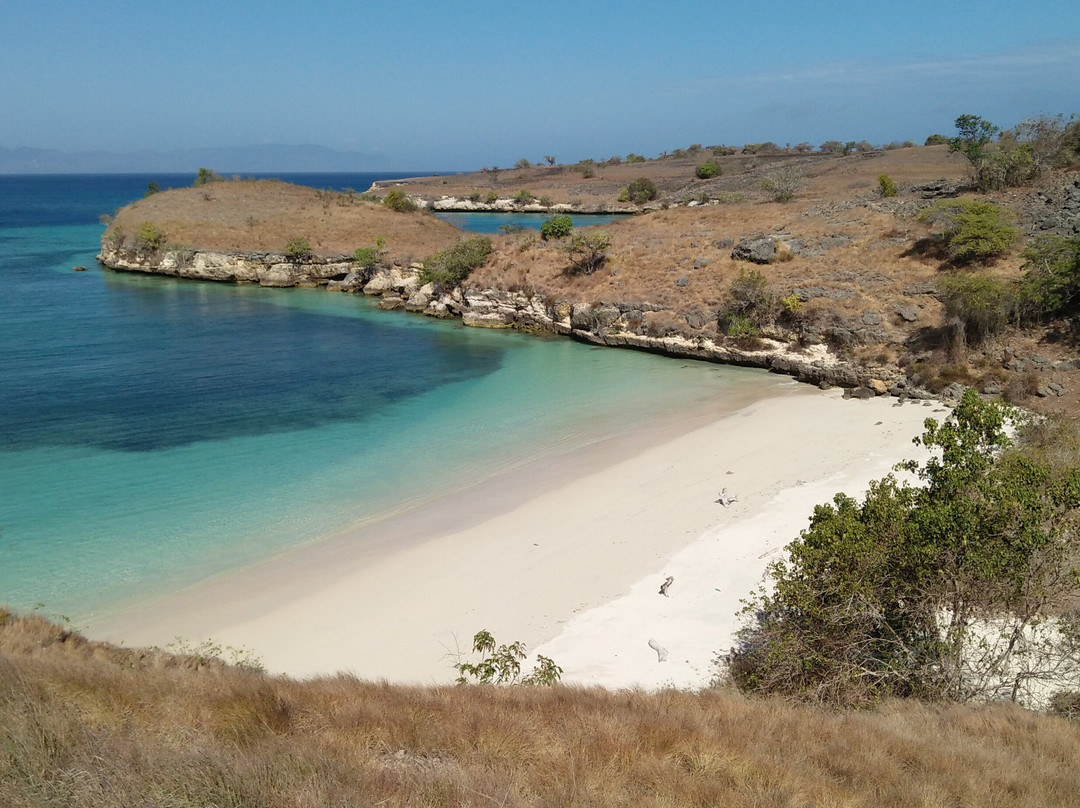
(848, 271)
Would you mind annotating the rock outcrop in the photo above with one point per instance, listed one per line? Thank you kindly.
(638, 325)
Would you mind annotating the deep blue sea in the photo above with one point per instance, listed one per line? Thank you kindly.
(156, 431)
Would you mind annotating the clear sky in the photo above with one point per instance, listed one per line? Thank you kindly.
(446, 85)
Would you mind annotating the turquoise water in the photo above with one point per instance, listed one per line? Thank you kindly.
(155, 431)
(488, 222)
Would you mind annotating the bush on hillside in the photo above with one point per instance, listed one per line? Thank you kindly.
(782, 183)
(149, 237)
(708, 170)
(887, 186)
(206, 175)
(640, 191)
(453, 265)
(1050, 285)
(971, 230)
(397, 200)
(977, 306)
(946, 590)
(749, 304)
(556, 227)
(298, 249)
(587, 252)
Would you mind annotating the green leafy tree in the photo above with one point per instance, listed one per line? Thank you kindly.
(936, 591)
(556, 227)
(972, 230)
(974, 134)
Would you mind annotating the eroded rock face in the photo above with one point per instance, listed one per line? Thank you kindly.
(612, 324)
(265, 269)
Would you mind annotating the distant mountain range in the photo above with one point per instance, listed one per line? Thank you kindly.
(237, 160)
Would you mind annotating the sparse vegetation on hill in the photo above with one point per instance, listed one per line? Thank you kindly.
(963, 588)
(454, 264)
(93, 726)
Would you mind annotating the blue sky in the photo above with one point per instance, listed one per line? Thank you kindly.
(442, 85)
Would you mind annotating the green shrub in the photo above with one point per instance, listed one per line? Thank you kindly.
(523, 198)
(888, 597)
(977, 306)
(398, 200)
(708, 170)
(634, 158)
(936, 140)
(1006, 165)
(1051, 281)
(206, 175)
(492, 197)
(749, 297)
(556, 227)
(149, 237)
(587, 252)
(297, 249)
(545, 201)
(972, 230)
(366, 257)
(640, 191)
(453, 265)
(522, 163)
(887, 186)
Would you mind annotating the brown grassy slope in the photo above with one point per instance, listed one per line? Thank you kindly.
(651, 253)
(85, 724)
(833, 176)
(263, 215)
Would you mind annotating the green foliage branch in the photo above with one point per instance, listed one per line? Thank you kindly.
(501, 665)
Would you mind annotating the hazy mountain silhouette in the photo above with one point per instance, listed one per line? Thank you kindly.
(240, 159)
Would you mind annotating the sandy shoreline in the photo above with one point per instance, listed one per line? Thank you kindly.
(566, 557)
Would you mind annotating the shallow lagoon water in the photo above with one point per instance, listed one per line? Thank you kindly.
(154, 431)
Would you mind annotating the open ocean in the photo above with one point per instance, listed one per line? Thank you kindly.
(155, 431)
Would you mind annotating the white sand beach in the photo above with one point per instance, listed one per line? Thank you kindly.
(566, 555)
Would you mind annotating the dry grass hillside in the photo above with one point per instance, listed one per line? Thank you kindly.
(857, 262)
(263, 215)
(87, 724)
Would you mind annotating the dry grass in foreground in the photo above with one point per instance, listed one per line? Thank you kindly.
(87, 724)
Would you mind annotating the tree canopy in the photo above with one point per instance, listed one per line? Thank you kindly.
(957, 588)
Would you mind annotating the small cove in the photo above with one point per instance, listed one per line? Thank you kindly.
(154, 432)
